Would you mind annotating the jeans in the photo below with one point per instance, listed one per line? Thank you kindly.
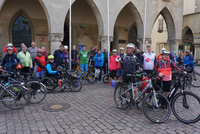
(105, 66)
(37, 74)
(100, 75)
(84, 68)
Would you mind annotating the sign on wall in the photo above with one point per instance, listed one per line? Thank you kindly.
(41, 39)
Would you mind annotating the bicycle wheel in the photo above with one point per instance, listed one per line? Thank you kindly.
(15, 97)
(37, 91)
(75, 85)
(105, 78)
(195, 79)
(90, 77)
(119, 101)
(186, 107)
(153, 113)
(49, 83)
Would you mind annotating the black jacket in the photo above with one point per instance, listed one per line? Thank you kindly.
(59, 57)
(74, 55)
(130, 64)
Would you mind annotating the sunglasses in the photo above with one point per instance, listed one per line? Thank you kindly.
(51, 59)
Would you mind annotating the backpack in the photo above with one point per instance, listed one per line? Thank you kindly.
(170, 61)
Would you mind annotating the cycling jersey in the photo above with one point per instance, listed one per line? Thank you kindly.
(148, 60)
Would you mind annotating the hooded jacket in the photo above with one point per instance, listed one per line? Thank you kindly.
(99, 60)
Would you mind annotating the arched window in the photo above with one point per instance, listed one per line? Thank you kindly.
(21, 32)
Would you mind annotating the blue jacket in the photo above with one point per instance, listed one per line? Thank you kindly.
(59, 56)
(13, 60)
(189, 60)
(99, 60)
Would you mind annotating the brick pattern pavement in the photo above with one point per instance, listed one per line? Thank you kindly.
(92, 111)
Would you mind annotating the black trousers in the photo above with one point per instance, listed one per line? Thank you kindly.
(105, 67)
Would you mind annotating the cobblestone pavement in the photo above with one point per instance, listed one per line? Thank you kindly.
(92, 111)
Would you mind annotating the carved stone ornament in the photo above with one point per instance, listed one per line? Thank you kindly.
(104, 39)
(56, 37)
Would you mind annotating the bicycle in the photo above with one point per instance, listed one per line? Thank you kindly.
(151, 104)
(14, 95)
(66, 77)
(184, 99)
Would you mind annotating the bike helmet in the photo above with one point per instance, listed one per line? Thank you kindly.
(114, 50)
(165, 52)
(40, 50)
(131, 45)
(9, 48)
(163, 49)
(65, 47)
(50, 57)
(121, 48)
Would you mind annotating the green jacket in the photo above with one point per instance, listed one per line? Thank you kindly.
(25, 59)
(83, 56)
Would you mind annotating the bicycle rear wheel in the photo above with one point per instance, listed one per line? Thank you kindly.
(105, 78)
(152, 112)
(186, 107)
(49, 83)
(15, 97)
(195, 79)
(90, 77)
(119, 101)
(75, 85)
(37, 91)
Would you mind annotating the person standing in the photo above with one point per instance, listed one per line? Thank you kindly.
(138, 54)
(33, 50)
(180, 59)
(67, 53)
(99, 62)
(175, 57)
(188, 59)
(25, 59)
(83, 56)
(39, 64)
(119, 67)
(10, 45)
(74, 57)
(45, 54)
(9, 59)
(60, 56)
(105, 63)
(148, 60)
(113, 66)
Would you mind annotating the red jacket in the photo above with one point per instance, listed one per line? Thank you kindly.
(166, 69)
(112, 62)
(14, 50)
(42, 62)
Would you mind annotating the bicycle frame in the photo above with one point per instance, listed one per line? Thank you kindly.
(81, 70)
(149, 85)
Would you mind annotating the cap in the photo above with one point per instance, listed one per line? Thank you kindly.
(65, 47)
(114, 50)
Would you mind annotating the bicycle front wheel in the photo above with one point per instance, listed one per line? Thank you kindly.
(119, 101)
(195, 79)
(15, 97)
(37, 91)
(75, 85)
(90, 77)
(186, 107)
(152, 108)
(105, 79)
(49, 83)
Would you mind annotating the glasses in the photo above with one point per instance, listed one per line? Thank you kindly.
(51, 59)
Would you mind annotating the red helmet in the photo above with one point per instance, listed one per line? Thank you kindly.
(40, 50)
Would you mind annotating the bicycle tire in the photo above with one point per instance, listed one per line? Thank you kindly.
(90, 77)
(49, 83)
(177, 113)
(105, 79)
(166, 112)
(74, 84)
(36, 93)
(195, 81)
(21, 97)
(117, 94)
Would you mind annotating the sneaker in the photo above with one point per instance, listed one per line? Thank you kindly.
(109, 83)
(99, 81)
(138, 105)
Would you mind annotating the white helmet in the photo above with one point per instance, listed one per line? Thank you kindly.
(121, 48)
(131, 45)
(9, 45)
(163, 49)
(165, 52)
(65, 47)
(9, 48)
(114, 50)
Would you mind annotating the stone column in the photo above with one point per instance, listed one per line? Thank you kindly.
(55, 41)
(197, 51)
(174, 45)
(104, 41)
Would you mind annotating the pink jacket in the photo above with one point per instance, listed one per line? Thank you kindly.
(112, 62)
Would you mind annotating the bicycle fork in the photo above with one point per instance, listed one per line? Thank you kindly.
(155, 101)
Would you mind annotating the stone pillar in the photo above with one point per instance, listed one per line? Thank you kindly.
(55, 41)
(197, 51)
(174, 45)
(104, 41)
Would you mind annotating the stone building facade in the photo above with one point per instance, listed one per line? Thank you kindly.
(49, 22)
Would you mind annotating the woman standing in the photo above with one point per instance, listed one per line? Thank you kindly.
(39, 64)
